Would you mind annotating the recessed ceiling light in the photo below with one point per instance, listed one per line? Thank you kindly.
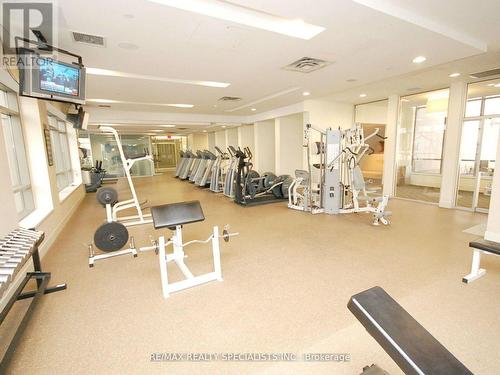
(419, 59)
(253, 109)
(490, 84)
(362, 95)
(497, 85)
(246, 16)
(223, 126)
(204, 131)
(306, 93)
(115, 73)
(453, 75)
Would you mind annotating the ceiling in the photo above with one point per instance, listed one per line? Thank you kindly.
(371, 44)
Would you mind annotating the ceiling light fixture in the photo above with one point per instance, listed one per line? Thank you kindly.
(246, 16)
(362, 95)
(223, 126)
(453, 75)
(306, 93)
(110, 101)
(497, 85)
(115, 73)
(253, 109)
(419, 59)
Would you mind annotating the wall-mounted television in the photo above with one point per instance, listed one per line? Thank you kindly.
(51, 79)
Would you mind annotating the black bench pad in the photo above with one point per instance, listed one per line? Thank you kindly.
(173, 214)
(409, 344)
(489, 246)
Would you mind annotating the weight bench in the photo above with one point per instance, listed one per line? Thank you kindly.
(173, 216)
(480, 246)
(409, 344)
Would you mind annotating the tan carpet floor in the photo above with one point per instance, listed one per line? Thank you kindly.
(287, 280)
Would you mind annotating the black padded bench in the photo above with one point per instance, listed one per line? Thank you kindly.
(174, 214)
(480, 246)
(409, 344)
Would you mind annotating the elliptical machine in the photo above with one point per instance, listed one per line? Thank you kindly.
(252, 189)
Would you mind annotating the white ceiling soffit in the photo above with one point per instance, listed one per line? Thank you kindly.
(265, 99)
(227, 11)
(395, 10)
(114, 73)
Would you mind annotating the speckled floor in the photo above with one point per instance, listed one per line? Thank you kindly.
(287, 280)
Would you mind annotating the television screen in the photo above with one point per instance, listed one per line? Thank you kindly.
(59, 78)
(50, 79)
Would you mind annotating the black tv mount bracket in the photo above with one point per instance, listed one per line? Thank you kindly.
(42, 45)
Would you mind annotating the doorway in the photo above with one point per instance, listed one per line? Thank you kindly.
(166, 154)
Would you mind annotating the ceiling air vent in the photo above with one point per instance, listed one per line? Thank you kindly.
(88, 39)
(229, 99)
(307, 65)
(486, 73)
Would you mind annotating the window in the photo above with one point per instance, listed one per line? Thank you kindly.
(60, 149)
(428, 141)
(16, 154)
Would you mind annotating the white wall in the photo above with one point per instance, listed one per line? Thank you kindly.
(289, 139)
(232, 137)
(371, 113)
(220, 140)
(264, 155)
(198, 141)
(246, 137)
(211, 141)
(324, 113)
(493, 227)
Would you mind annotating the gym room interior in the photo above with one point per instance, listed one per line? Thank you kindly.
(250, 187)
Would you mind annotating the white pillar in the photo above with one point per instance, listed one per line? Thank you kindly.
(451, 150)
(390, 145)
(493, 227)
(264, 155)
(277, 147)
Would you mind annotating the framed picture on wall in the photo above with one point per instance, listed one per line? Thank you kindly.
(48, 147)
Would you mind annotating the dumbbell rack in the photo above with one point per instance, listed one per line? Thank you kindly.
(15, 250)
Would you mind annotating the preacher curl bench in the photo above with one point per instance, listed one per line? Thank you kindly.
(173, 216)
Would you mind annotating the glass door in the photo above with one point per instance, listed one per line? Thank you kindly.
(479, 143)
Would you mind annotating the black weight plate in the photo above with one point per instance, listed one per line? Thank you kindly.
(269, 179)
(111, 236)
(107, 195)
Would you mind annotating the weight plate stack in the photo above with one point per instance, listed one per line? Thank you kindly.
(111, 236)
